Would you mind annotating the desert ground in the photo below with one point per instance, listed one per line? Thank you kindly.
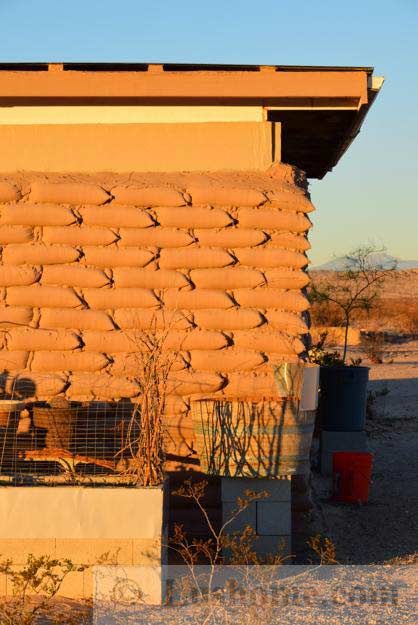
(387, 527)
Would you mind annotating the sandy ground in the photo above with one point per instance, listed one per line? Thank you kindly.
(387, 527)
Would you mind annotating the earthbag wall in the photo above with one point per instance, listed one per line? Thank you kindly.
(88, 262)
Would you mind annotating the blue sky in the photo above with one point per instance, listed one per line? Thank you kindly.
(370, 196)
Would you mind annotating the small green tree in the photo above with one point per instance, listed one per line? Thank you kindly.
(356, 287)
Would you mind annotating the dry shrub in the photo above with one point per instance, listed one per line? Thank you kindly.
(373, 345)
(144, 440)
(33, 589)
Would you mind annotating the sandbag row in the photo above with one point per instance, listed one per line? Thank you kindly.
(284, 188)
(78, 275)
(88, 263)
(156, 237)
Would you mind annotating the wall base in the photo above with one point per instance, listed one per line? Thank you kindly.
(115, 528)
(270, 517)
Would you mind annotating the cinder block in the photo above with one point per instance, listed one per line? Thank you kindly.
(246, 517)
(273, 518)
(146, 551)
(273, 546)
(88, 581)
(279, 489)
(3, 585)
(95, 550)
(18, 549)
(127, 582)
(73, 585)
(339, 441)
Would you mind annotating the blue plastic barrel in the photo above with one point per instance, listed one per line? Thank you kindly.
(343, 398)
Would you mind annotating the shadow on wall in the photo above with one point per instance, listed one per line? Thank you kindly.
(15, 387)
(252, 439)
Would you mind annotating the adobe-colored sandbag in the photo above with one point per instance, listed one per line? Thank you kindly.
(80, 319)
(232, 278)
(175, 406)
(227, 196)
(290, 201)
(115, 216)
(39, 254)
(192, 217)
(78, 235)
(233, 319)
(115, 341)
(68, 193)
(251, 385)
(73, 275)
(193, 258)
(265, 257)
(18, 276)
(289, 241)
(8, 192)
(87, 386)
(225, 360)
(114, 257)
(287, 321)
(33, 385)
(154, 237)
(34, 339)
(286, 278)
(273, 219)
(68, 361)
(147, 319)
(42, 296)
(148, 196)
(229, 237)
(130, 364)
(189, 383)
(13, 360)
(119, 298)
(15, 234)
(36, 215)
(44, 386)
(267, 341)
(149, 278)
(14, 316)
(173, 446)
(198, 298)
(275, 358)
(195, 339)
(292, 301)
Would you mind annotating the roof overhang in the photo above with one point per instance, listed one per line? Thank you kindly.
(321, 109)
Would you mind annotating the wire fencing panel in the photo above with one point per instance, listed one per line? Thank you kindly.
(60, 441)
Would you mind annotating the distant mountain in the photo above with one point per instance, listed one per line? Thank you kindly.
(385, 260)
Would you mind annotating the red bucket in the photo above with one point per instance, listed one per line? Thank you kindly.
(352, 472)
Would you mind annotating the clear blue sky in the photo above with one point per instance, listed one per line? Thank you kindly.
(371, 195)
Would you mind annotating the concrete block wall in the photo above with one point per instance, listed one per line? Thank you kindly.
(89, 261)
(89, 526)
(270, 517)
(81, 551)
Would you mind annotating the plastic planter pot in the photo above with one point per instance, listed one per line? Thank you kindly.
(343, 398)
(58, 424)
(237, 438)
(10, 412)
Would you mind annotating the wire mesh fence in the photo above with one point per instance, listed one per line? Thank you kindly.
(58, 441)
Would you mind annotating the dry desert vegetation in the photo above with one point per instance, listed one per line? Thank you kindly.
(386, 339)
